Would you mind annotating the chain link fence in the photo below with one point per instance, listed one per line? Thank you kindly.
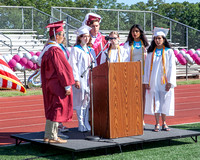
(20, 20)
(181, 35)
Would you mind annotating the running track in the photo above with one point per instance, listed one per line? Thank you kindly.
(26, 114)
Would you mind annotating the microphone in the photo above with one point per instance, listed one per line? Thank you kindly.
(109, 38)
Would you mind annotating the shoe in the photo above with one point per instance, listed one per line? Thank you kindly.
(46, 139)
(59, 140)
(62, 128)
(61, 135)
(157, 128)
(165, 127)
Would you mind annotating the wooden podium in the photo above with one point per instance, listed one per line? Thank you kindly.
(117, 100)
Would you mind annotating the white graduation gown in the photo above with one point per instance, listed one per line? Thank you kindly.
(164, 101)
(114, 55)
(80, 60)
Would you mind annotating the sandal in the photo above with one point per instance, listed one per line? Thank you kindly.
(157, 128)
(165, 127)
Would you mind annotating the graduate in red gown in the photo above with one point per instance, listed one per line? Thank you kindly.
(98, 40)
(57, 79)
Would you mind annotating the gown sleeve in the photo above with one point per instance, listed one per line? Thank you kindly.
(171, 74)
(62, 67)
(73, 60)
(147, 68)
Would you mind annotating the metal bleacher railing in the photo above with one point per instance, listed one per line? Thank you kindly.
(181, 35)
(23, 29)
(22, 19)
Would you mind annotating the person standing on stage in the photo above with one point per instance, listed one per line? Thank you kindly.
(114, 53)
(98, 40)
(160, 78)
(61, 127)
(65, 49)
(57, 78)
(80, 59)
(136, 44)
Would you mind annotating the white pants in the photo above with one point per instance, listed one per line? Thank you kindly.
(83, 117)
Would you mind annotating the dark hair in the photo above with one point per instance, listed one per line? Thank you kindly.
(78, 41)
(52, 37)
(130, 38)
(153, 44)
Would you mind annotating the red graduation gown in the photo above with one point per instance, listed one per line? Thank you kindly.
(97, 46)
(56, 73)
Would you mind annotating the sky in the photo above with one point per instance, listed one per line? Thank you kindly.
(130, 2)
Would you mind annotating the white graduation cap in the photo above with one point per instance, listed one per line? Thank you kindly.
(83, 30)
(160, 31)
(90, 17)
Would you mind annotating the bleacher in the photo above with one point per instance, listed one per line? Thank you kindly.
(16, 38)
(27, 39)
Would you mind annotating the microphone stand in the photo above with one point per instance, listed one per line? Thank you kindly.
(102, 50)
(92, 137)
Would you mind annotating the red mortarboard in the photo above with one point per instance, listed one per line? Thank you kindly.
(89, 17)
(57, 26)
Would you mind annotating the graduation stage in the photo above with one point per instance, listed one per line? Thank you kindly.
(77, 142)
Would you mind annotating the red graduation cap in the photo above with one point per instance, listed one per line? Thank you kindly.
(56, 26)
(90, 17)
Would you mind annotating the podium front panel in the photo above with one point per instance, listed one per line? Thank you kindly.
(117, 89)
(125, 99)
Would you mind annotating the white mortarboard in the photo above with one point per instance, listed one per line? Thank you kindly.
(89, 17)
(160, 31)
(83, 30)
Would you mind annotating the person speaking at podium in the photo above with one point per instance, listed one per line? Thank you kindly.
(114, 53)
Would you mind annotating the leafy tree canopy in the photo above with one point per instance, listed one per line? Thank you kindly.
(187, 13)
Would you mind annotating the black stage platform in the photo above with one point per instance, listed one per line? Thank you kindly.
(77, 142)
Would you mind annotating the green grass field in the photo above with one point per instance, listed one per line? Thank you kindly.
(180, 149)
(194, 81)
(11, 93)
